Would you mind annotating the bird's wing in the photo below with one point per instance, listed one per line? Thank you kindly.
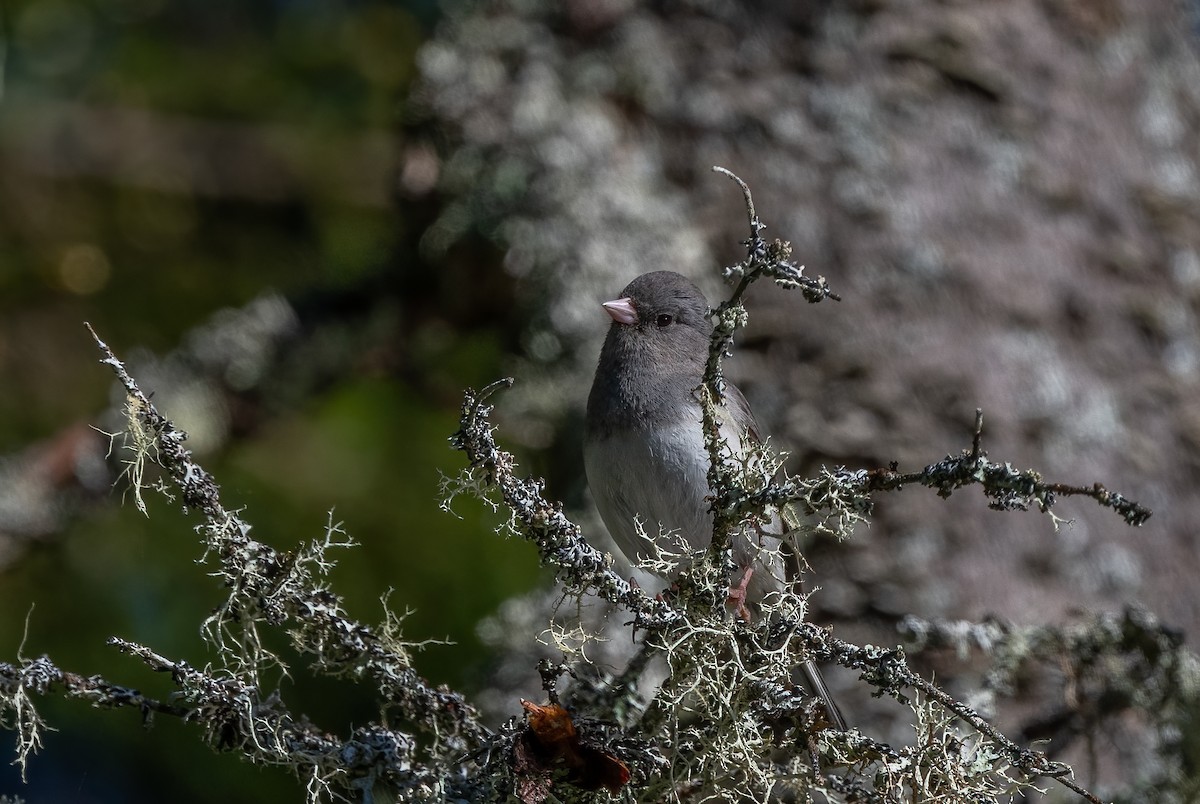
(741, 416)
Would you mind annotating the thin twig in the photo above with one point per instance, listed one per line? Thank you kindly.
(264, 584)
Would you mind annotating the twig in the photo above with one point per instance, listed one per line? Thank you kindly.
(762, 259)
(559, 541)
(1008, 488)
(269, 586)
(887, 670)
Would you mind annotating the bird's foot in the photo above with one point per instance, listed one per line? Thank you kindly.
(737, 595)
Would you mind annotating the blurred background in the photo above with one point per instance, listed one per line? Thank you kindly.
(162, 166)
(308, 226)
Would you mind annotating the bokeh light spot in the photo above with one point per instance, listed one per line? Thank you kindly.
(84, 269)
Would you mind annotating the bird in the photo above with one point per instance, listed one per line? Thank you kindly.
(644, 453)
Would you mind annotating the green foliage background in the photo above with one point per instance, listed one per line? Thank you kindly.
(318, 89)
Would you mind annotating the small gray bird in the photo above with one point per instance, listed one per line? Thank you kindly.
(644, 445)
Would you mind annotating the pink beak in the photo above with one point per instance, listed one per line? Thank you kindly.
(621, 310)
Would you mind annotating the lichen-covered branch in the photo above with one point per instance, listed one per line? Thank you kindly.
(763, 259)
(42, 677)
(729, 683)
(728, 721)
(237, 716)
(233, 716)
(560, 541)
(722, 669)
(1008, 488)
(1113, 664)
(268, 587)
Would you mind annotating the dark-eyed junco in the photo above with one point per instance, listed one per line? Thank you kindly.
(644, 445)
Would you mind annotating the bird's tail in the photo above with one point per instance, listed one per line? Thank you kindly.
(817, 682)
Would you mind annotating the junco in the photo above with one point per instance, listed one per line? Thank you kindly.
(644, 445)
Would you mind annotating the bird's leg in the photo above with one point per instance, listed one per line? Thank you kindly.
(737, 595)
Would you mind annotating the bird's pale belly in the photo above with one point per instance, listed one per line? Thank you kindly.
(661, 478)
(665, 488)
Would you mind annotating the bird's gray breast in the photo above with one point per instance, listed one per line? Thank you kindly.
(658, 475)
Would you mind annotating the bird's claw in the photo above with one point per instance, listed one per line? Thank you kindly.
(737, 595)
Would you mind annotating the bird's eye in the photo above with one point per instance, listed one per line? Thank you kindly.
(664, 320)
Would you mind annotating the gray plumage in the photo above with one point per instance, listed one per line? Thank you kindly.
(644, 446)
